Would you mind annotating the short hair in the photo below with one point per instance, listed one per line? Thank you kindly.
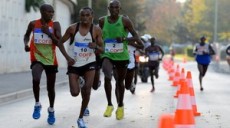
(111, 1)
(87, 8)
(43, 7)
(203, 38)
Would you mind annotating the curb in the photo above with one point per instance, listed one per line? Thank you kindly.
(25, 93)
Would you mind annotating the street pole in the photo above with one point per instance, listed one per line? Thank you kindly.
(90, 3)
(215, 37)
(215, 21)
(108, 6)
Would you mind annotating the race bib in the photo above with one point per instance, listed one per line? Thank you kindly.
(153, 56)
(82, 52)
(112, 46)
(42, 38)
(201, 50)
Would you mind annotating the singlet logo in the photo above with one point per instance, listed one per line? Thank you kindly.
(86, 39)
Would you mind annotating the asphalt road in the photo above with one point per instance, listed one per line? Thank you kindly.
(142, 110)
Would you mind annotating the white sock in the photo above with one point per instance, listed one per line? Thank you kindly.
(37, 104)
(50, 109)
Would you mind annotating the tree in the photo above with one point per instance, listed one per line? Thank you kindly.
(162, 17)
(198, 19)
(194, 19)
(131, 8)
(135, 10)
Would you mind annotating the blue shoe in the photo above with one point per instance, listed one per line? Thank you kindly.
(51, 118)
(86, 112)
(36, 113)
(81, 123)
(81, 81)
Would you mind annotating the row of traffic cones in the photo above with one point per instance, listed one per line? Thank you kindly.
(186, 105)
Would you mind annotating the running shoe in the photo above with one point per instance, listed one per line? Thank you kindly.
(132, 90)
(36, 113)
(108, 111)
(81, 81)
(81, 123)
(51, 118)
(120, 113)
(86, 112)
(95, 87)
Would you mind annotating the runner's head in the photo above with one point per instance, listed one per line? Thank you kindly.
(153, 40)
(86, 15)
(203, 39)
(114, 7)
(47, 12)
(144, 39)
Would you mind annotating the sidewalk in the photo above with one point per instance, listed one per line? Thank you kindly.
(19, 85)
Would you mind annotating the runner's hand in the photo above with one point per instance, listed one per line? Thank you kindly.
(205, 53)
(45, 29)
(119, 39)
(92, 45)
(70, 61)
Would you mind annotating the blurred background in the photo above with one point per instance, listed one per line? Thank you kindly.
(177, 24)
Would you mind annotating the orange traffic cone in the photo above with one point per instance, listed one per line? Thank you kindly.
(184, 117)
(184, 59)
(178, 89)
(192, 94)
(166, 121)
(176, 79)
(182, 77)
(171, 73)
(182, 74)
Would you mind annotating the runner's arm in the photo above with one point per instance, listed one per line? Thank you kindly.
(162, 52)
(27, 35)
(57, 32)
(69, 32)
(212, 52)
(99, 41)
(129, 27)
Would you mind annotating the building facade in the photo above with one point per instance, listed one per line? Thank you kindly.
(13, 23)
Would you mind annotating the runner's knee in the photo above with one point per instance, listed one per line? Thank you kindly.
(74, 93)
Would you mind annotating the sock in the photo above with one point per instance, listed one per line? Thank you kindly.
(51, 109)
(37, 104)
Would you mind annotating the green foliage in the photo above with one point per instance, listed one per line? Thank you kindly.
(194, 19)
(131, 8)
(99, 7)
(162, 18)
(135, 11)
(35, 4)
(198, 19)
(189, 51)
